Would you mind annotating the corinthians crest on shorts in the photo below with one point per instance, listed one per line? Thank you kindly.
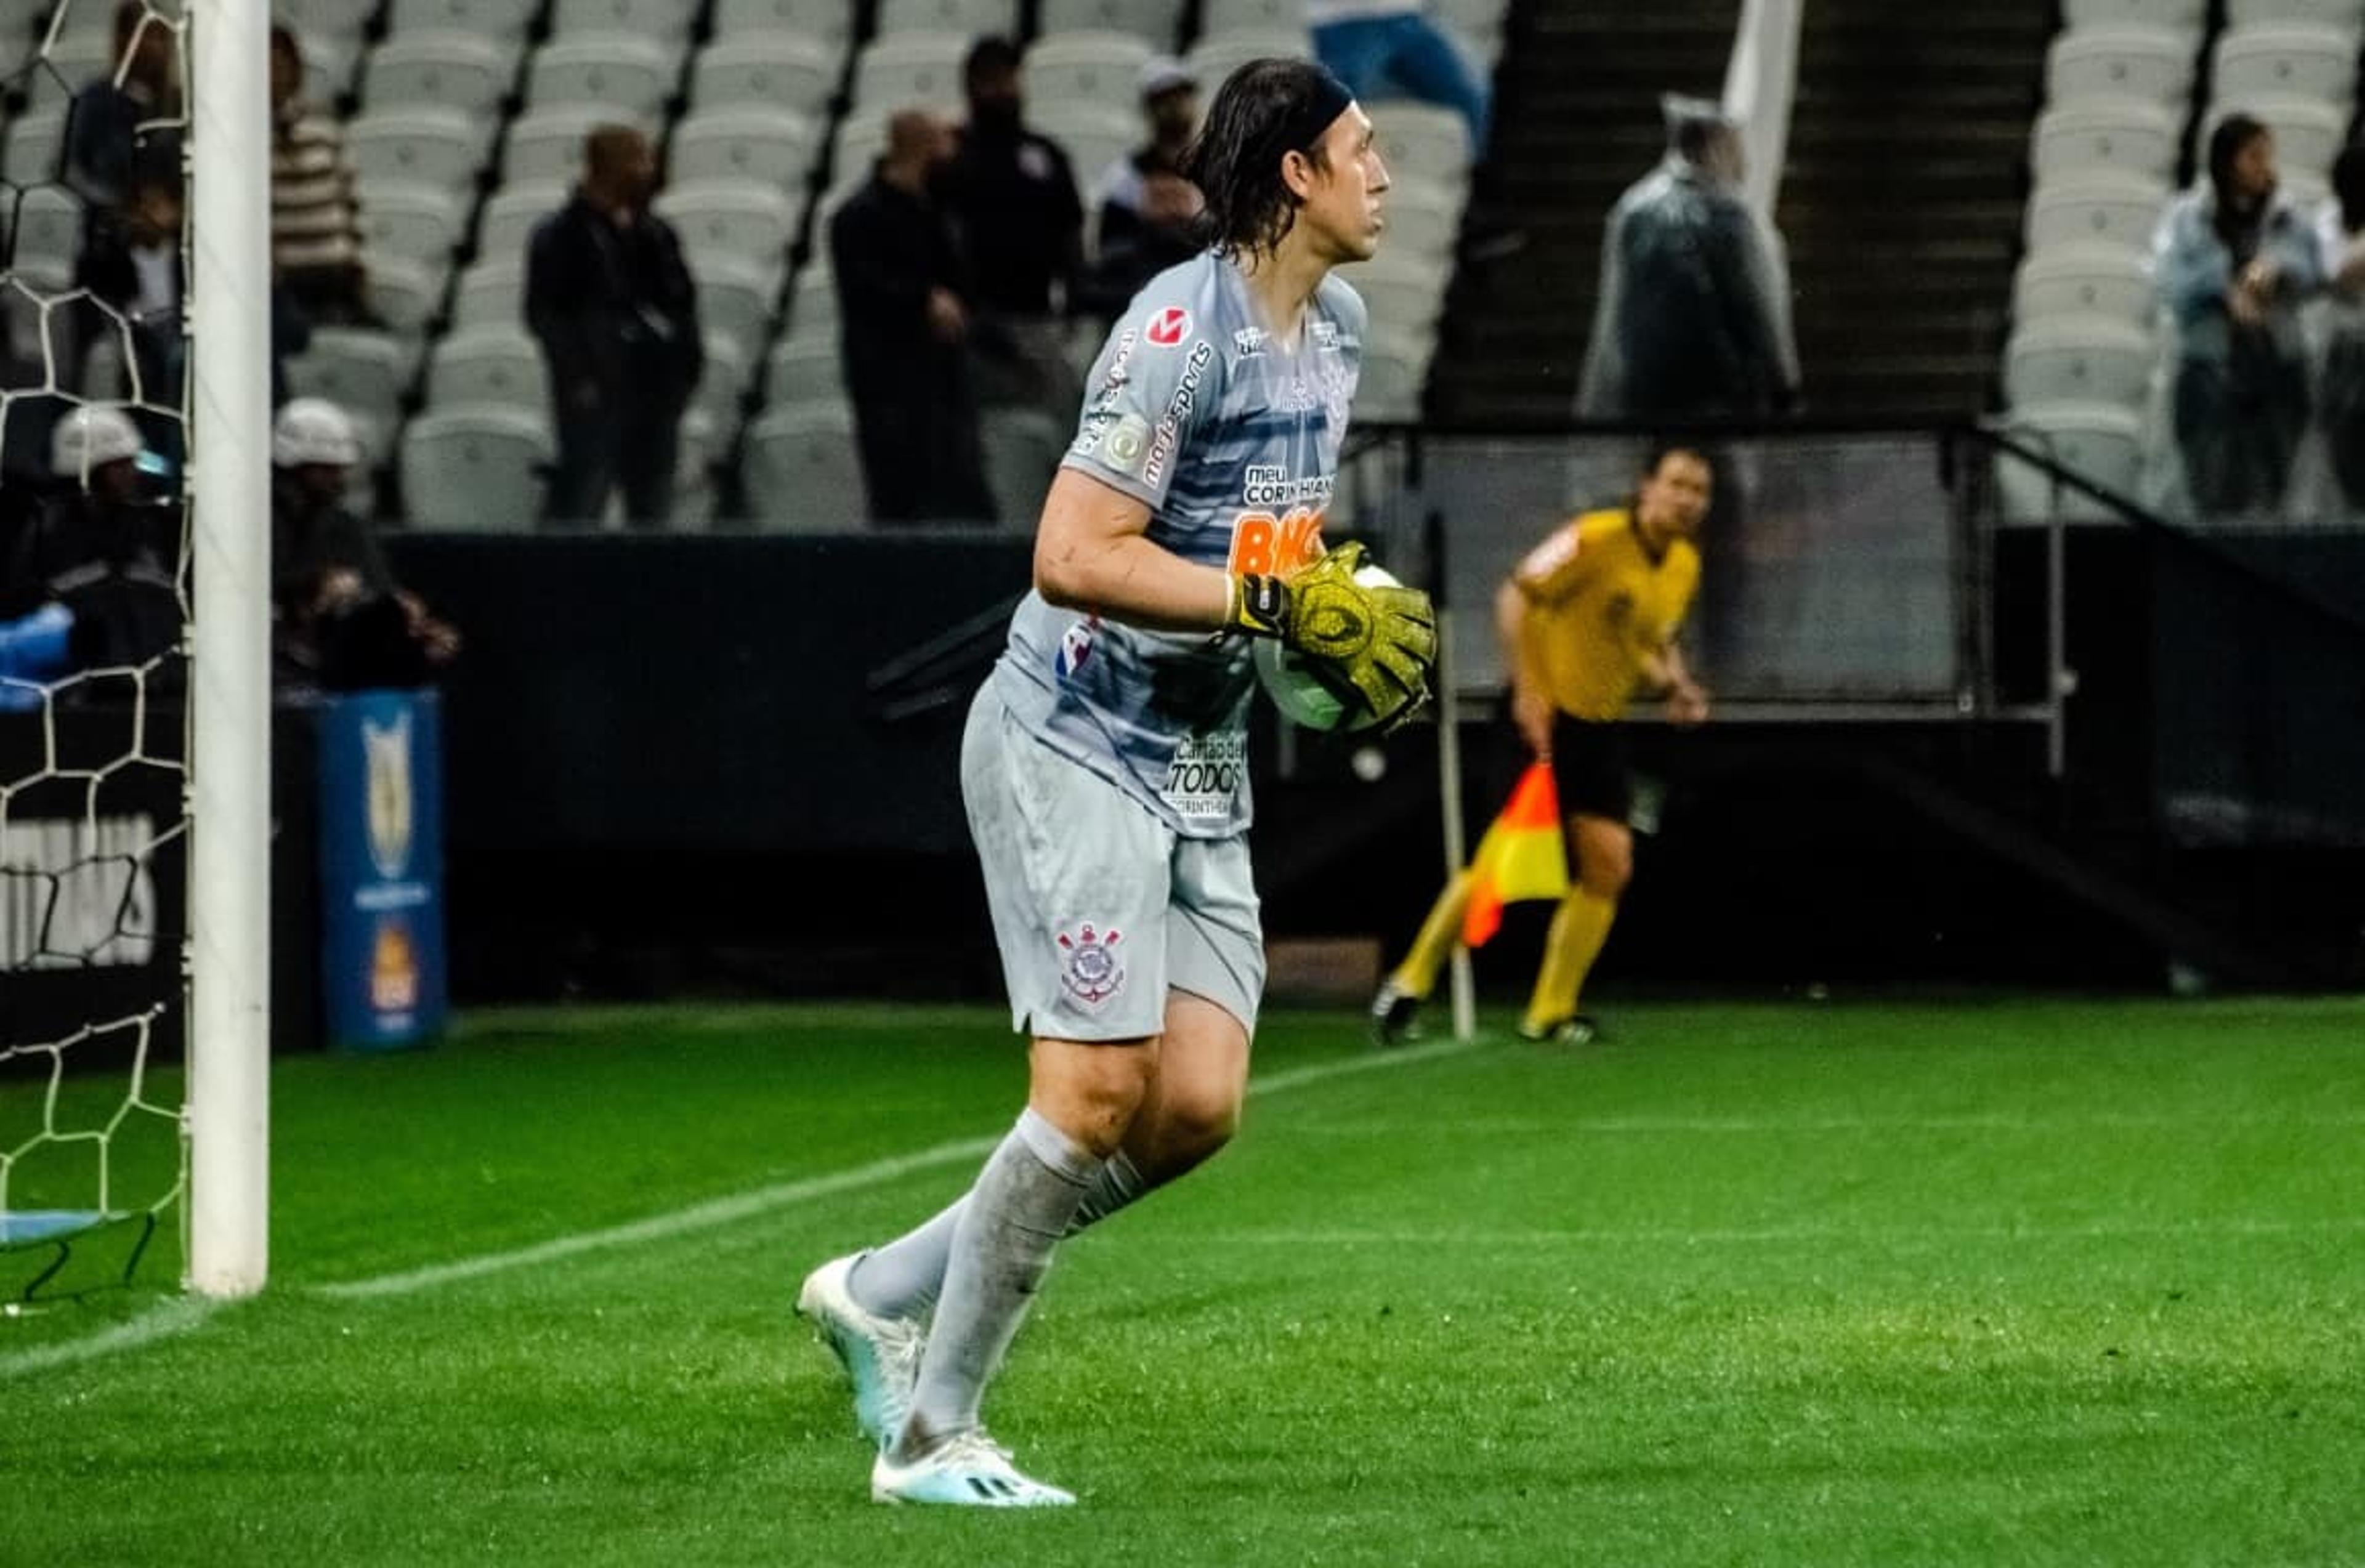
(1089, 966)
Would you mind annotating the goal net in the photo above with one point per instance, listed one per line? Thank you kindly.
(99, 717)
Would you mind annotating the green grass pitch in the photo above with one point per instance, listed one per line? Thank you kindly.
(2065, 1281)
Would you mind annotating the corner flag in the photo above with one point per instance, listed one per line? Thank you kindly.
(1521, 857)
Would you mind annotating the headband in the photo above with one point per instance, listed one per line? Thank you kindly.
(1327, 102)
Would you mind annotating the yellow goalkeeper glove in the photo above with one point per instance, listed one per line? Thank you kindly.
(1380, 638)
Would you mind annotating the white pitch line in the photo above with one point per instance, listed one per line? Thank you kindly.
(1676, 1236)
(790, 1194)
(178, 1316)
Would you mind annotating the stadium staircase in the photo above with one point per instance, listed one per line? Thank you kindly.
(1576, 121)
(1901, 201)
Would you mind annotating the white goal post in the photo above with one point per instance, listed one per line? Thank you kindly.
(229, 240)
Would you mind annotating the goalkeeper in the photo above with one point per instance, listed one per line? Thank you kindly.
(1105, 766)
(1589, 617)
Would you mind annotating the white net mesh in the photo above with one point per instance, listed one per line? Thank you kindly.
(94, 616)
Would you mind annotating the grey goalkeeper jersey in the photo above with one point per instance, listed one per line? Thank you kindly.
(1232, 441)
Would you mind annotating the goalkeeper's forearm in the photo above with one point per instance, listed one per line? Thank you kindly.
(1131, 580)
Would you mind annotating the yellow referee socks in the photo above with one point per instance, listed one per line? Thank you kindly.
(1579, 927)
(1417, 976)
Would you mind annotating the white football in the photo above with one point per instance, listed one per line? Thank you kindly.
(1307, 694)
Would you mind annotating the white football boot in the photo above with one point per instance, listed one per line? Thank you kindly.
(881, 1355)
(967, 1470)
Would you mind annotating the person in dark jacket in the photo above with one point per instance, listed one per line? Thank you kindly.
(340, 621)
(1149, 211)
(614, 306)
(903, 328)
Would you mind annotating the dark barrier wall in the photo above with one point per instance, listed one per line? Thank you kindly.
(702, 693)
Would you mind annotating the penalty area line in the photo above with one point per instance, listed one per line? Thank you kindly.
(163, 1321)
(805, 1190)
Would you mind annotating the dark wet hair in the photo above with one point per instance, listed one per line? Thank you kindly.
(1264, 110)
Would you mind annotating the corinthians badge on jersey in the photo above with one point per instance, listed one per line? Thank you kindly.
(1091, 969)
(389, 747)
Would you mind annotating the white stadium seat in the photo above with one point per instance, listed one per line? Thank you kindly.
(407, 292)
(512, 215)
(481, 469)
(2088, 280)
(744, 141)
(1153, 21)
(2123, 134)
(1424, 218)
(438, 147)
(46, 235)
(488, 19)
(2096, 209)
(659, 21)
(364, 373)
(813, 306)
(2085, 360)
(909, 69)
(742, 217)
(1242, 16)
(2327, 13)
(425, 221)
(1021, 448)
(723, 383)
(609, 71)
(2110, 63)
(439, 70)
(792, 73)
(36, 142)
(824, 21)
(1422, 142)
(2260, 62)
(1091, 68)
(497, 364)
(800, 470)
(328, 18)
(805, 370)
(1094, 136)
(735, 293)
(490, 293)
(1396, 368)
(968, 18)
(1403, 294)
(2099, 442)
(1216, 56)
(2169, 15)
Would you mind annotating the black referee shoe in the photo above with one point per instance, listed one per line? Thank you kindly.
(1395, 1015)
(1576, 1030)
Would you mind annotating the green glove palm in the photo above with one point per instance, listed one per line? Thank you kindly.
(1382, 639)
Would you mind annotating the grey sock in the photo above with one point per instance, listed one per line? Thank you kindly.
(1001, 1245)
(903, 1277)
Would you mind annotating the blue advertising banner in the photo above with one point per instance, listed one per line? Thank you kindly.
(382, 869)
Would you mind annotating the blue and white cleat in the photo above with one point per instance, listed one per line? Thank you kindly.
(881, 1355)
(967, 1470)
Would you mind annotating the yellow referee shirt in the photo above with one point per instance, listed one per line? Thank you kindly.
(1598, 607)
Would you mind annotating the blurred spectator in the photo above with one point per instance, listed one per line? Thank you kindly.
(1694, 314)
(2340, 239)
(316, 241)
(1149, 207)
(120, 137)
(1020, 227)
(118, 133)
(136, 273)
(1371, 45)
(607, 295)
(901, 331)
(2233, 262)
(101, 550)
(340, 621)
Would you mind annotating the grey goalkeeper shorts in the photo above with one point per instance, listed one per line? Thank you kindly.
(1099, 908)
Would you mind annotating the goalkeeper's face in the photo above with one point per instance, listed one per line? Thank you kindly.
(1339, 190)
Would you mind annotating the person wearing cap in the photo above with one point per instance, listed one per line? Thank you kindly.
(1694, 318)
(102, 551)
(340, 619)
(1148, 208)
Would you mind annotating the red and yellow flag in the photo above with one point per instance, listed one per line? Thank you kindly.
(1521, 857)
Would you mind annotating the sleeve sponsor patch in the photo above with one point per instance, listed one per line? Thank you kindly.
(1125, 446)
